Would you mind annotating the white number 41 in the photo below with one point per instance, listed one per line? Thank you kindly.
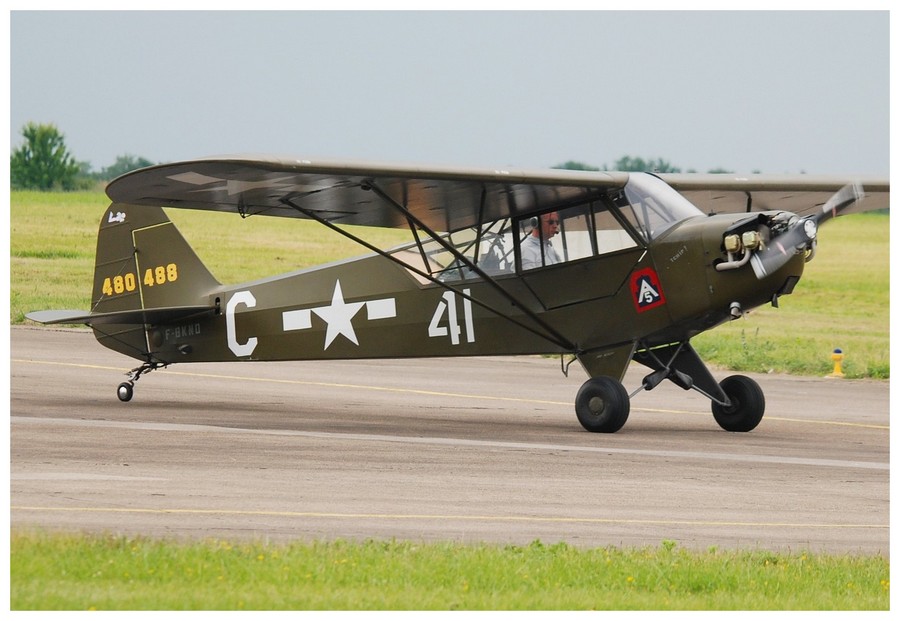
(447, 306)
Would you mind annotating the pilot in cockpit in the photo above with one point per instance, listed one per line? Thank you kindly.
(537, 251)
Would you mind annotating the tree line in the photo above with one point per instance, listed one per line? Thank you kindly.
(43, 162)
(627, 163)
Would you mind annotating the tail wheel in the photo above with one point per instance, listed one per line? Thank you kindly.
(748, 404)
(125, 391)
(602, 405)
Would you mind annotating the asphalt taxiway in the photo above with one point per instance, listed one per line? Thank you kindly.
(468, 449)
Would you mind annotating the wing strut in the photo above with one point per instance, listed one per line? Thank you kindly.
(550, 334)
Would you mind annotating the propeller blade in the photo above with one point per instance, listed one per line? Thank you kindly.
(840, 200)
(781, 248)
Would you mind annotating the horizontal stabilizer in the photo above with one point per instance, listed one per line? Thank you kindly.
(138, 316)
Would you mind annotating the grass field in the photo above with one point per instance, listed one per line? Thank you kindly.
(56, 572)
(842, 301)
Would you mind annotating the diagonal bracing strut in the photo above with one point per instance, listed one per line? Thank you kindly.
(547, 332)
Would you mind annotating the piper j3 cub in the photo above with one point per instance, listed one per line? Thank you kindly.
(608, 267)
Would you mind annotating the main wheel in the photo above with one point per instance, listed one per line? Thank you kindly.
(748, 404)
(602, 405)
(125, 391)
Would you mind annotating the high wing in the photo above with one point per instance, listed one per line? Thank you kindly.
(443, 198)
(342, 192)
(799, 194)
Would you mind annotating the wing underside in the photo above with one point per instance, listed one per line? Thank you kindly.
(443, 199)
(800, 194)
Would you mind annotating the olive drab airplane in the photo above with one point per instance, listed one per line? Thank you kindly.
(605, 267)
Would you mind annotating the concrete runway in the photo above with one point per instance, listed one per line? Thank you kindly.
(467, 450)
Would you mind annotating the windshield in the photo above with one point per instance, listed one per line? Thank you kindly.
(653, 206)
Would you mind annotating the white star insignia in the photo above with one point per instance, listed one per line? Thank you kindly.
(339, 316)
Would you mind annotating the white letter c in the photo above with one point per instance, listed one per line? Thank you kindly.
(246, 298)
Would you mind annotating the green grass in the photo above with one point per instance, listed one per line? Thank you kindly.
(56, 572)
(842, 301)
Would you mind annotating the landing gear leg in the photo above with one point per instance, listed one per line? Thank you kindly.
(125, 391)
(738, 403)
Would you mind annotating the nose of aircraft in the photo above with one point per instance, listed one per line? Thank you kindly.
(728, 286)
(802, 232)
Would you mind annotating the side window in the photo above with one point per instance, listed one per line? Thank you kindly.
(571, 234)
(494, 253)
(575, 234)
(609, 233)
(490, 247)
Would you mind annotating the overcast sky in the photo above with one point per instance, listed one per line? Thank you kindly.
(779, 92)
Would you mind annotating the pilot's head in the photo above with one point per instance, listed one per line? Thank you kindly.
(549, 225)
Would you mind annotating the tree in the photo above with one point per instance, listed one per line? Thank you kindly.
(43, 162)
(637, 164)
(626, 163)
(573, 165)
(124, 164)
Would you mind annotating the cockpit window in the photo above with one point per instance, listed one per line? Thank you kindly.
(570, 234)
(652, 205)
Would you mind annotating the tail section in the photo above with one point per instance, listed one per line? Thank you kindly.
(145, 272)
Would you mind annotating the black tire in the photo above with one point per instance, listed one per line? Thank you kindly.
(125, 391)
(748, 404)
(602, 405)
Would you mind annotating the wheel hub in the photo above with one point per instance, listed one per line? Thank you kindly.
(597, 405)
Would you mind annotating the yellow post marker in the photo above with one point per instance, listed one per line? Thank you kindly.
(837, 357)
